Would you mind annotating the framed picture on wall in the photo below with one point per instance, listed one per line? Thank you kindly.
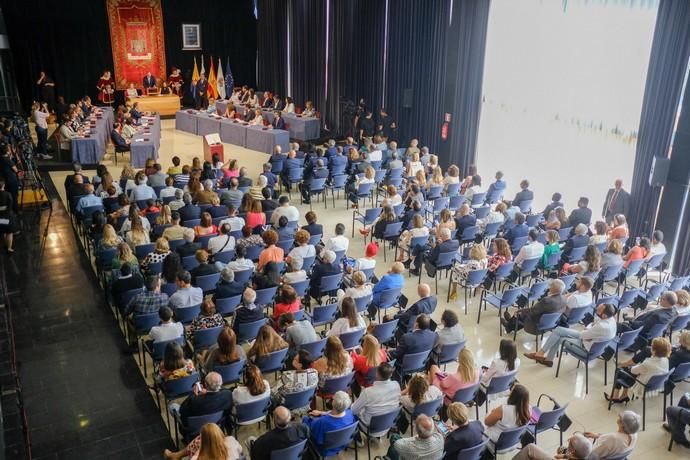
(191, 36)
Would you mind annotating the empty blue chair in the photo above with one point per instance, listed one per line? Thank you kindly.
(491, 230)
(507, 441)
(527, 268)
(679, 282)
(301, 287)
(536, 291)
(548, 420)
(449, 353)
(250, 413)
(314, 348)
(207, 283)
(339, 256)
(508, 298)
(478, 199)
(248, 331)
(224, 257)
(594, 353)
(244, 276)
(189, 263)
(231, 373)
(323, 314)
(227, 306)
(265, 296)
(445, 261)
(187, 314)
(412, 362)
(299, 399)
(329, 284)
(472, 281)
(253, 252)
(547, 322)
(273, 362)
(338, 183)
(378, 426)
(466, 396)
(384, 332)
(469, 234)
(352, 339)
(503, 272)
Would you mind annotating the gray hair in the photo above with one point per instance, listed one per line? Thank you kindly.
(425, 426)
(213, 381)
(187, 198)
(249, 295)
(188, 235)
(557, 285)
(580, 446)
(341, 401)
(262, 181)
(331, 142)
(296, 263)
(670, 297)
(630, 421)
(228, 275)
(281, 416)
(208, 184)
(328, 256)
(580, 229)
(179, 193)
(319, 163)
(425, 149)
(445, 233)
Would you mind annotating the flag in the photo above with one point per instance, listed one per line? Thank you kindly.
(221, 81)
(229, 81)
(212, 90)
(195, 77)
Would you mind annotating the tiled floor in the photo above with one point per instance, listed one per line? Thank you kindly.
(74, 321)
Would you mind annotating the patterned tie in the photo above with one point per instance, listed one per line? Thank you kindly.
(613, 200)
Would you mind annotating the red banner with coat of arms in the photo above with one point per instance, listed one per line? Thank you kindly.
(136, 34)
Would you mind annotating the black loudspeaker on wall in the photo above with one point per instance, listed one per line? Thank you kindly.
(659, 172)
(407, 98)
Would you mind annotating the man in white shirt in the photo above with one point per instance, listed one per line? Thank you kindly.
(178, 202)
(40, 116)
(374, 154)
(223, 242)
(602, 329)
(168, 329)
(233, 220)
(532, 250)
(582, 296)
(285, 209)
(241, 263)
(657, 247)
(186, 295)
(141, 190)
(169, 190)
(380, 398)
(339, 242)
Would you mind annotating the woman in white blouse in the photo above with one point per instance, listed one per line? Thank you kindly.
(419, 391)
(634, 379)
(252, 99)
(255, 387)
(514, 413)
(507, 362)
(350, 320)
(359, 288)
(418, 230)
(414, 165)
(289, 105)
(475, 187)
(258, 119)
(303, 248)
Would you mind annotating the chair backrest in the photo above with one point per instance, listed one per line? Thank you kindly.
(501, 383)
(504, 270)
(194, 423)
(467, 394)
(449, 352)
(656, 382)
(654, 262)
(656, 330)
(364, 189)
(362, 303)
(476, 277)
(445, 260)
(577, 313)
(469, 233)
(352, 339)
(429, 408)
(568, 280)
(414, 362)
(314, 240)
(549, 419)
(206, 337)
(549, 321)
(243, 276)
(383, 422)
(473, 453)
(144, 322)
(169, 288)
(681, 372)
(253, 252)
(611, 272)
(338, 440)
(314, 348)
(627, 338)
(232, 372)
(286, 245)
(510, 296)
(207, 282)
(186, 315)
(518, 243)
(510, 438)
(141, 250)
(179, 387)
(339, 180)
(370, 215)
(301, 287)
(295, 174)
(159, 348)
(392, 230)
(332, 385)
(251, 411)
(249, 331)
(385, 331)
(273, 361)
(679, 282)
(330, 283)
(265, 296)
(189, 262)
(529, 265)
(634, 267)
(388, 298)
(224, 257)
(478, 199)
(126, 296)
(679, 323)
(537, 290)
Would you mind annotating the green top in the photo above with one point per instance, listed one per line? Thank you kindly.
(549, 249)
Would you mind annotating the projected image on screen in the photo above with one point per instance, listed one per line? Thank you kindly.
(563, 87)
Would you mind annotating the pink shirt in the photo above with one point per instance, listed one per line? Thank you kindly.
(451, 383)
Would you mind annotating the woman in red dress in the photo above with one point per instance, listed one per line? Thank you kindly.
(106, 88)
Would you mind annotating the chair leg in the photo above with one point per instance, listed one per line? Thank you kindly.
(644, 409)
(587, 378)
(560, 356)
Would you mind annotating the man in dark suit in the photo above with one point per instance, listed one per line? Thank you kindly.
(189, 248)
(243, 180)
(422, 338)
(337, 162)
(268, 203)
(278, 103)
(318, 172)
(290, 163)
(278, 121)
(202, 91)
(227, 286)
(149, 81)
(69, 179)
(210, 399)
(617, 202)
(579, 239)
(529, 317)
(662, 315)
(325, 267)
(518, 230)
(426, 305)
(443, 245)
(464, 219)
(555, 203)
(77, 187)
(126, 281)
(581, 215)
(277, 159)
(312, 227)
(525, 194)
(284, 435)
(189, 211)
(268, 100)
(248, 312)
(121, 144)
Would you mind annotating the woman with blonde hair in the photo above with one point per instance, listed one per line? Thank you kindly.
(106, 181)
(414, 165)
(210, 444)
(418, 230)
(432, 165)
(477, 261)
(436, 177)
(127, 177)
(467, 374)
(165, 216)
(124, 255)
(370, 356)
(453, 176)
(110, 238)
(267, 341)
(551, 247)
(160, 252)
(368, 178)
(445, 220)
(335, 362)
(420, 178)
(137, 234)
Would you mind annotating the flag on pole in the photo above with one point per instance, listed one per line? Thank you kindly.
(229, 81)
(195, 77)
(221, 81)
(203, 69)
(212, 90)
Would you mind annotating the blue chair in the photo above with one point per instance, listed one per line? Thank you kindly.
(473, 453)
(577, 314)
(625, 340)
(249, 331)
(142, 325)
(455, 200)
(186, 315)
(307, 262)
(527, 269)
(494, 196)
(243, 276)
(499, 384)
(314, 240)
(169, 288)
(363, 191)
(253, 252)
(273, 362)
(434, 192)
(368, 272)
(448, 353)
(336, 440)
(491, 230)
(386, 299)
(536, 291)
(191, 223)
(317, 187)
(466, 396)
(194, 425)
(384, 332)
(339, 256)
(654, 263)
(505, 300)
(173, 389)
(299, 399)
(417, 241)
(502, 273)
(338, 183)
(294, 177)
(250, 413)
(547, 322)
(265, 296)
(351, 339)
(469, 234)
(610, 274)
(231, 373)
(333, 385)
(391, 234)
(411, 363)
(445, 261)
(532, 220)
(678, 324)
(227, 306)
(680, 374)
(568, 281)
(594, 353)
(472, 281)
(482, 211)
(507, 441)
(576, 254)
(329, 284)
(368, 218)
(314, 348)
(362, 303)
(286, 245)
(478, 200)
(189, 263)
(141, 250)
(301, 287)
(207, 283)
(453, 190)
(525, 206)
(378, 426)
(518, 243)
(548, 420)
(655, 383)
(224, 257)
(174, 244)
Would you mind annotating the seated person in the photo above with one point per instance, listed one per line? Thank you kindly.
(620, 441)
(634, 378)
(204, 268)
(267, 341)
(578, 447)
(443, 245)
(647, 320)
(678, 420)
(349, 320)
(248, 312)
(284, 434)
(255, 387)
(422, 338)
(322, 422)
(208, 318)
(529, 318)
(227, 286)
(186, 294)
(514, 413)
(463, 433)
(380, 398)
(325, 267)
(467, 374)
(206, 400)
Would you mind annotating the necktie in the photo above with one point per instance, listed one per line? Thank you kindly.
(613, 200)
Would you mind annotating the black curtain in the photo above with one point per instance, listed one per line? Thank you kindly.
(667, 66)
(415, 70)
(271, 44)
(308, 51)
(69, 40)
(355, 64)
(226, 32)
(466, 47)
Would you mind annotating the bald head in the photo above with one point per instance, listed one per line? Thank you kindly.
(281, 416)
(424, 290)
(78, 179)
(425, 426)
(89, 188)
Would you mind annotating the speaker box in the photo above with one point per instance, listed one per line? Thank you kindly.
(659, 172)
(407, 98)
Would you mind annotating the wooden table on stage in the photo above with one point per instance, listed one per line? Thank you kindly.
(166, 105)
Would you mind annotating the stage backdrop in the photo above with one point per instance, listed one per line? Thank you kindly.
(136, 33)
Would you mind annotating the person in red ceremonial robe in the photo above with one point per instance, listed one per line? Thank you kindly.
(175, 81)
(103, 82)
(109, 94)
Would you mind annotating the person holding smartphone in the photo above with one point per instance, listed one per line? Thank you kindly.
(461, 432)
(40, 114)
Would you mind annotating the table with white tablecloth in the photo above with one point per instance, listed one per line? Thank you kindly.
(146, 142)
(264, 139)
(90, 148)
(185, 120)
